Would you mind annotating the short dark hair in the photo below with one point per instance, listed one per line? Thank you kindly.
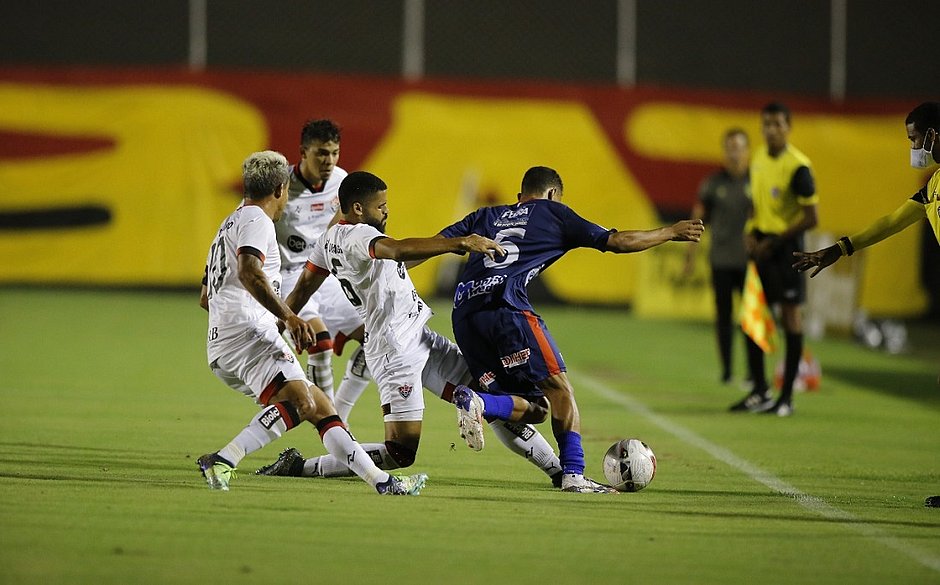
(358, 186)
(321, 130)
(777, 108)
(926, 115)
(538, 179)
(735, 131)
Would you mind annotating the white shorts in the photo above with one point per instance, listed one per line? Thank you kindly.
(329, 303)
(254, 362)
(430, 360)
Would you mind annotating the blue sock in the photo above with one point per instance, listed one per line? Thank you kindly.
(496, 405)
(570, 452)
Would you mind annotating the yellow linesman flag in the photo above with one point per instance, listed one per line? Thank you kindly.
(756, 319)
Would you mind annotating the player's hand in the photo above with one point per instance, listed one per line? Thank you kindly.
(479, 244)
(301, 332)
(820, 259)
(688, 230)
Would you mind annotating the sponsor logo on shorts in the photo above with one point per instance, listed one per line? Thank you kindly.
(487, 379)
(516, 359)
(473, 288)
(271, 416)
(405, 390)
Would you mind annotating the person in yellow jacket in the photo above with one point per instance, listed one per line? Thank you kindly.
(923, 128)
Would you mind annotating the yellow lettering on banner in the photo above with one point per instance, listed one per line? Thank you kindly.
(861, 169)
(443, 154)
(167, 181)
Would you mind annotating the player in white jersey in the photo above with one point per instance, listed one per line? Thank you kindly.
(244, 348)
(312, 204)
(402, 352)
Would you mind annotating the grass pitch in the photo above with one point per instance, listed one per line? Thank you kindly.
(108, 402)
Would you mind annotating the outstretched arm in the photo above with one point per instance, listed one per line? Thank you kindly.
(884, 227)
(687, 230)
(411, 249)
(311, 277)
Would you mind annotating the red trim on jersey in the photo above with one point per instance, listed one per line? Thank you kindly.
(330, 425)
(544, 346)
(343, 222)
(252, 251)
(372, 245)
(315, 269)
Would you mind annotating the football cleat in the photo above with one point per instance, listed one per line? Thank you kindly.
(469, 416)
(932, 502)
(405, 485)
(577, 483)
(754, 402)
(216, 470)
(780, 409)
(290, 463)
(556, 478)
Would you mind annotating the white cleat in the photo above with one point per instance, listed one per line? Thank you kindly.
(469, 416)
(573, 482)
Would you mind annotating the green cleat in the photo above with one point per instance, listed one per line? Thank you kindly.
(406, 485)
(216, 470)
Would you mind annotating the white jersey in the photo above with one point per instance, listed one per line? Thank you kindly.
(232, 309)
(381, 290)
(306, 217)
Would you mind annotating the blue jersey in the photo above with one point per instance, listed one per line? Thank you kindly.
(534, 234)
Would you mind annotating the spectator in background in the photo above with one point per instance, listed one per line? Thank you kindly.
(784, 194)
(724, 204)
(923, 131)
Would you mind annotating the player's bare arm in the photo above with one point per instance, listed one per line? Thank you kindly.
(252, 277)
(308, 283)
(204, 298)
(687, 230)
(410, 249)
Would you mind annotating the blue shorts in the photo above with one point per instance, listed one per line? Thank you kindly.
(507, 350)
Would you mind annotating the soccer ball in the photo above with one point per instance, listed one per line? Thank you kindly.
(629, 465)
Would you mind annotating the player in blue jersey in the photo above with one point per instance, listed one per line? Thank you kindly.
(506, 344)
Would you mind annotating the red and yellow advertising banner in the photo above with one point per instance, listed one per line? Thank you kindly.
(121, 177)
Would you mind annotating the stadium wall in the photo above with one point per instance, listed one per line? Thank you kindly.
(120, 177)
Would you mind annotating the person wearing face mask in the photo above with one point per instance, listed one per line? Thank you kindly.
(784, 201)
(923, 127)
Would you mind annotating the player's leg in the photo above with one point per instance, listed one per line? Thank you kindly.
(446, 371)
(320, 357)
(793, 294)
(355, 379)
(723, 285)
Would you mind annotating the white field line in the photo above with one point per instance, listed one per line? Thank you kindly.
(811, 503)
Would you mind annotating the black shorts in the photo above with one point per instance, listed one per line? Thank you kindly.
(782, 283)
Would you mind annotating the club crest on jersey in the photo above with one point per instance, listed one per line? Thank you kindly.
(515, 359)
(405, 390)
(286, 357)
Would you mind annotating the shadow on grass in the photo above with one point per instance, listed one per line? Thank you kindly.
(908, 385)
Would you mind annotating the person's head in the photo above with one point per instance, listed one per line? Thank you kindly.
(923, 127)
(541, 183)
(737, 151)
(363, 198)
(775, 125)
(319, 150)
(266, 174)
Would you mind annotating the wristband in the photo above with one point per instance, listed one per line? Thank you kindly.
(842, 247)
(845, 244)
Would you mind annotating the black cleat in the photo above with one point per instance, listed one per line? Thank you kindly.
(932, 502)
(290, 463)
(753, 402)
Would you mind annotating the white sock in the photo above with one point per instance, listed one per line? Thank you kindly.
(341, 445)
(330, 466)
(266, 426)
(528, 442)
(320, 369)
(354, 382)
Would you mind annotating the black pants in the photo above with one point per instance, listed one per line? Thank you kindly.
(724, 282)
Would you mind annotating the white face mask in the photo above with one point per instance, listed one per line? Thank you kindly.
(922, 158)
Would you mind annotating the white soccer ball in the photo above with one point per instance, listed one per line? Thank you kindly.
(629, 465)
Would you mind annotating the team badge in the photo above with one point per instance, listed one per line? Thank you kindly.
(405, 390)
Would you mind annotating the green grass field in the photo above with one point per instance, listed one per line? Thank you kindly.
(108, 401)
